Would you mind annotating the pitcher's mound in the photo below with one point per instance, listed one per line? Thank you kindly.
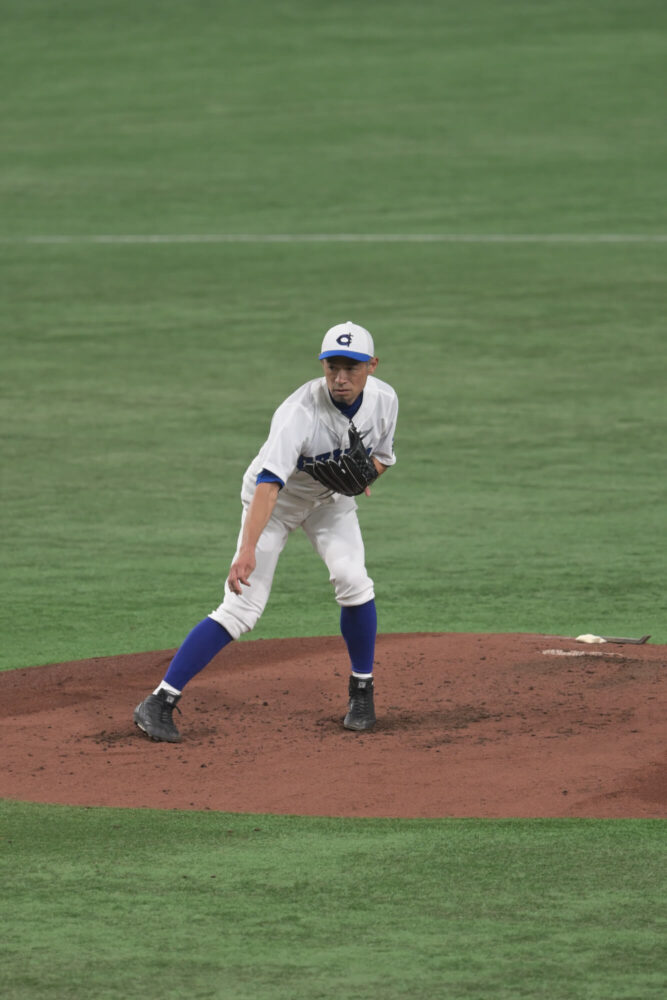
(468, 725)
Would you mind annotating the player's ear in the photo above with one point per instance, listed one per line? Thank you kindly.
(372, 365)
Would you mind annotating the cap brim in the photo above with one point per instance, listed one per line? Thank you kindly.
(341, 353)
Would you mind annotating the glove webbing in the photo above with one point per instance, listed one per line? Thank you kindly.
(350, 474)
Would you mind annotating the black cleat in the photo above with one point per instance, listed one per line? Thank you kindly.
(361, 711)
(154, 716)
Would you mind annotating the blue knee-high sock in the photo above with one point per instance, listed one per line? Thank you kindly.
(197, 649)
(359, 626)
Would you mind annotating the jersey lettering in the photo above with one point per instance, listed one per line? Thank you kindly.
(306, 429)
(324, 457)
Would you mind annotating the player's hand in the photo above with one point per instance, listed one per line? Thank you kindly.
(240, 570)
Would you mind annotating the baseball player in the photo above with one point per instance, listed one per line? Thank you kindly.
(327, 443)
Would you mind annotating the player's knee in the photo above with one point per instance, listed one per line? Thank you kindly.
(237, 615)
(352, 584)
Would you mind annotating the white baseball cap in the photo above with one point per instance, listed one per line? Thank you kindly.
(347, 340)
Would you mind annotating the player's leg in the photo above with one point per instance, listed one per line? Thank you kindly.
(239, 613)
(236, 615)
(358, 626)
(335, 534)
(154, 715)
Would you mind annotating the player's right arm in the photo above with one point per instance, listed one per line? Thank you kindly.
(257, 518)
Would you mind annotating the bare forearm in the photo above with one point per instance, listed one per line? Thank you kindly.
(257, 518)
(259, 512)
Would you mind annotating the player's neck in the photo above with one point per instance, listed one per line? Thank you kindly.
(348, 410)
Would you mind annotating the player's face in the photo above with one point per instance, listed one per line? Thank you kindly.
(346, 378)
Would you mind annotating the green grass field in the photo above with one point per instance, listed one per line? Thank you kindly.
(192, 905)
(137, 380)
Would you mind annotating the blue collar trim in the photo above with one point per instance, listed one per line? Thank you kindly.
(348, 411)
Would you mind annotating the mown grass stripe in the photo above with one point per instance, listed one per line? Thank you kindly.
(502, 238)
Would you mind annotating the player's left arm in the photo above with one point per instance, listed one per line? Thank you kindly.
(386, 443)
(380, 470)
(384, 446)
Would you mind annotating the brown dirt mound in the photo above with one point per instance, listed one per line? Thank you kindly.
(469, 725)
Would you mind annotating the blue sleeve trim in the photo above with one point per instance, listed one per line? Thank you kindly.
(266, 476)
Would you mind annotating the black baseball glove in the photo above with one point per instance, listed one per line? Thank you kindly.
(350, 474)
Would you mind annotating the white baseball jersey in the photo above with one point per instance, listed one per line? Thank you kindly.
(308, 426)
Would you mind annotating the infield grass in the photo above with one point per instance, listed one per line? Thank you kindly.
(248, 908)
(137, 382)
(528, 490)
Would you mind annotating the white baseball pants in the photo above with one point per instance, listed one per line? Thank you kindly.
(332, 527)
